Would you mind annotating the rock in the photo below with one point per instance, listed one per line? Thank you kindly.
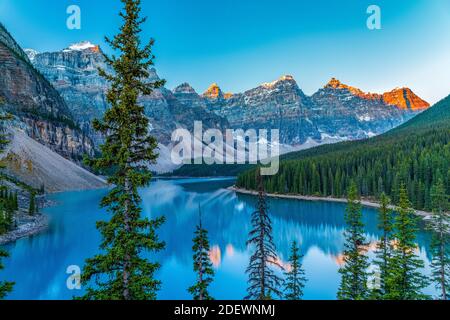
(74, 73)
(37, 106)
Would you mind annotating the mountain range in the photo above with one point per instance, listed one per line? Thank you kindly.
(54, 96)
(337, 112)
(415, 154)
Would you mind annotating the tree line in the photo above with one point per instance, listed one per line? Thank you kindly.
(418, 160)
(8, 204)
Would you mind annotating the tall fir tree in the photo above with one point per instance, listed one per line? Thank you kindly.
(440, 246)
(354, 271)
(295, 278)
(263, 281)
(384, 246)
(405, 280)
(202, 264)
(121, 272)
(5, 287)
(32, 204)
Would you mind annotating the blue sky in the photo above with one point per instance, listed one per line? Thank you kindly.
(242, 43)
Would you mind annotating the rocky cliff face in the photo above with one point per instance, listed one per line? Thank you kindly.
(344, 111)
(38, 108)
(74, 73)
(405, 99)
(276, 105)
(334, 113)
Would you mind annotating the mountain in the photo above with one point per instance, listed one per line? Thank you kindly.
(38, 108)
(36, 165)
(335, 113)
(344, 111)
(416, 153)
(74, 73)
(277, 105)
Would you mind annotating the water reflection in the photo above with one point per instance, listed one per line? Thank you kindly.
(38, 264)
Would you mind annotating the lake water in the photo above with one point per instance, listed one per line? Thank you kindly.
(38, 264)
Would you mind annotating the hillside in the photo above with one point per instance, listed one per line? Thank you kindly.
(417, 153)
(37, 166)
(38, 108)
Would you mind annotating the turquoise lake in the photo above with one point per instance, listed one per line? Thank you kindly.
(38, 264)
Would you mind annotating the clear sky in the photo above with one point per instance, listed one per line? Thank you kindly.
(242, 43)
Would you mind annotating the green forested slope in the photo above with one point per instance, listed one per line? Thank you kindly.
(416, 153)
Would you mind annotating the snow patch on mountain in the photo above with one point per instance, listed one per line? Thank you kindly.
(80, 46)
(31, 53)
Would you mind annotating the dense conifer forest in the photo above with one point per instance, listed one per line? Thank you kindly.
(416, 154)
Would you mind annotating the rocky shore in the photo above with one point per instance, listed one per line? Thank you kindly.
(26, 226)
(366, 203)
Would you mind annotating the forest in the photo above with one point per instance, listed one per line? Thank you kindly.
(416, 154)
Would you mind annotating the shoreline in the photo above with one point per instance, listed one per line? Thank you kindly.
(365, 203)
(31, 226)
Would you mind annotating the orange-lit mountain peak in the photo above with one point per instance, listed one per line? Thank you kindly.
(95, 49)
(402, 98)
(336, 84)
(405, 98)
(213, 92)
(227, 95)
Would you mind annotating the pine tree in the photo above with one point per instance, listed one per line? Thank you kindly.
(295, 277)
(121, 272)
(404, 280)
(16, 201)
(384, 246)
(32, 205)
(440, 247)
(263, 281)
(5, 287)
(202, 264)
(354, 272)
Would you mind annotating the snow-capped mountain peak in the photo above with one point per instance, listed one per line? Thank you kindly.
(31, 53)
(81, 46)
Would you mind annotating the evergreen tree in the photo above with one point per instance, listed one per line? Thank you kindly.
(384, 246)
(440, 222)
(354, 272)
(5, 287)
(16, 202)
(32, 205)
(202, 264)
(404, 280)
(295, 277)
(263, 282)
(121, 272)
(417, 154)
